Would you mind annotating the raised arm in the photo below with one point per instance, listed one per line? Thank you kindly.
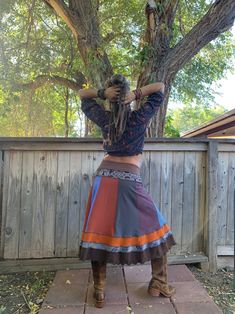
(155, 93)
(91, 108)
(109, 93)
(152, 88)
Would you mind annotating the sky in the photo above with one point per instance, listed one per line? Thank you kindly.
(226, 96)
(227, 90)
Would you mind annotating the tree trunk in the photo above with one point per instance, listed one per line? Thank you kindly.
(161, 62)
(165, 62)
(81, 17)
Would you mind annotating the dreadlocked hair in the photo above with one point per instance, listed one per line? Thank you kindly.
(119, 110)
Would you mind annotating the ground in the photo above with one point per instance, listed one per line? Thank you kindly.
(219, 286)
(24, 292)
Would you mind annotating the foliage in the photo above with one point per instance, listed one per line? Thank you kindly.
(36, 113)
(193, 82)
(192, 115)
(170, 130)
(35, 43)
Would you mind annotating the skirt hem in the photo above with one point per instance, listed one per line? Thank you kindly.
(129, 258)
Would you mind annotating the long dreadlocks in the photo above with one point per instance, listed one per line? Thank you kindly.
(119, 110)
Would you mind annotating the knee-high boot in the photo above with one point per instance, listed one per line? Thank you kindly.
(158, 283)
(99, 277)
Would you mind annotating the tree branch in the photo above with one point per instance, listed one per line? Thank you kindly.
(47, 79)
(81, 17)
(61, 9)
(217, 20)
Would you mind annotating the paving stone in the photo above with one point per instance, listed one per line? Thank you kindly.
(176, 273)
(197, 307)
(179, 273)
(138, 273)
(115, 293)
(190, 291)
(108, 309)
(77, 276)
(68, 288)
(155, 309)
(114, 274)
(138, 295)
(64, 310)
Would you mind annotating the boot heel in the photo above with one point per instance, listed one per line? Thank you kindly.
(99, 299)
(154, 292)
(99, 304)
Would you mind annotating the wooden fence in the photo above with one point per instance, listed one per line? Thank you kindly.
(45, 184)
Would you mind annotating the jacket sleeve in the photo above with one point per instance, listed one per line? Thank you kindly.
(95, 112)
(149, 108)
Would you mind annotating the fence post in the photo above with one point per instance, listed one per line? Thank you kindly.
(210, 235)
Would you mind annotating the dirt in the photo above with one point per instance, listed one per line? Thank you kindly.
(219, 286)
(24, 292)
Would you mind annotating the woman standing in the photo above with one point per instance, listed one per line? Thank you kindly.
(122, 224)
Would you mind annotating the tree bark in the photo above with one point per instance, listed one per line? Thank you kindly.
(81, 17)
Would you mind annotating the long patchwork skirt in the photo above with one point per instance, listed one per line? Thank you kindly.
(122, 224)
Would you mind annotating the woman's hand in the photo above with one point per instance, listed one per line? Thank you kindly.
(112, 92)
(130, 96)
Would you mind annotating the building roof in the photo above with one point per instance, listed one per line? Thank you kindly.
(222, 126)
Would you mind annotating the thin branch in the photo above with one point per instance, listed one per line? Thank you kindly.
(181, 25)
(30, 22)
(47, 79)
(25, 299)
(111, 36)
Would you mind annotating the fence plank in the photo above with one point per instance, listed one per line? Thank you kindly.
(97, 158)
(212, 204)
(144, 170)
(14, 172)
(223, 177)
(4, 200)
(188, 201)
(27, 201)
(231, 201)
(38, 204)
(1, 202)
(50, 194)
(87, 173)
(199, 202)
(62, 204)
(155, 177)
(177, 199)
(166, 182)
(74, 204)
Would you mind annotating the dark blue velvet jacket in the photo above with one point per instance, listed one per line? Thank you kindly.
(132, 140)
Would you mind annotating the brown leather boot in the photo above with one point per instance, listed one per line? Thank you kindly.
(99, 277)
(158, 284)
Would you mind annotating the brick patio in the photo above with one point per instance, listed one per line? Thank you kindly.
(126, 292)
